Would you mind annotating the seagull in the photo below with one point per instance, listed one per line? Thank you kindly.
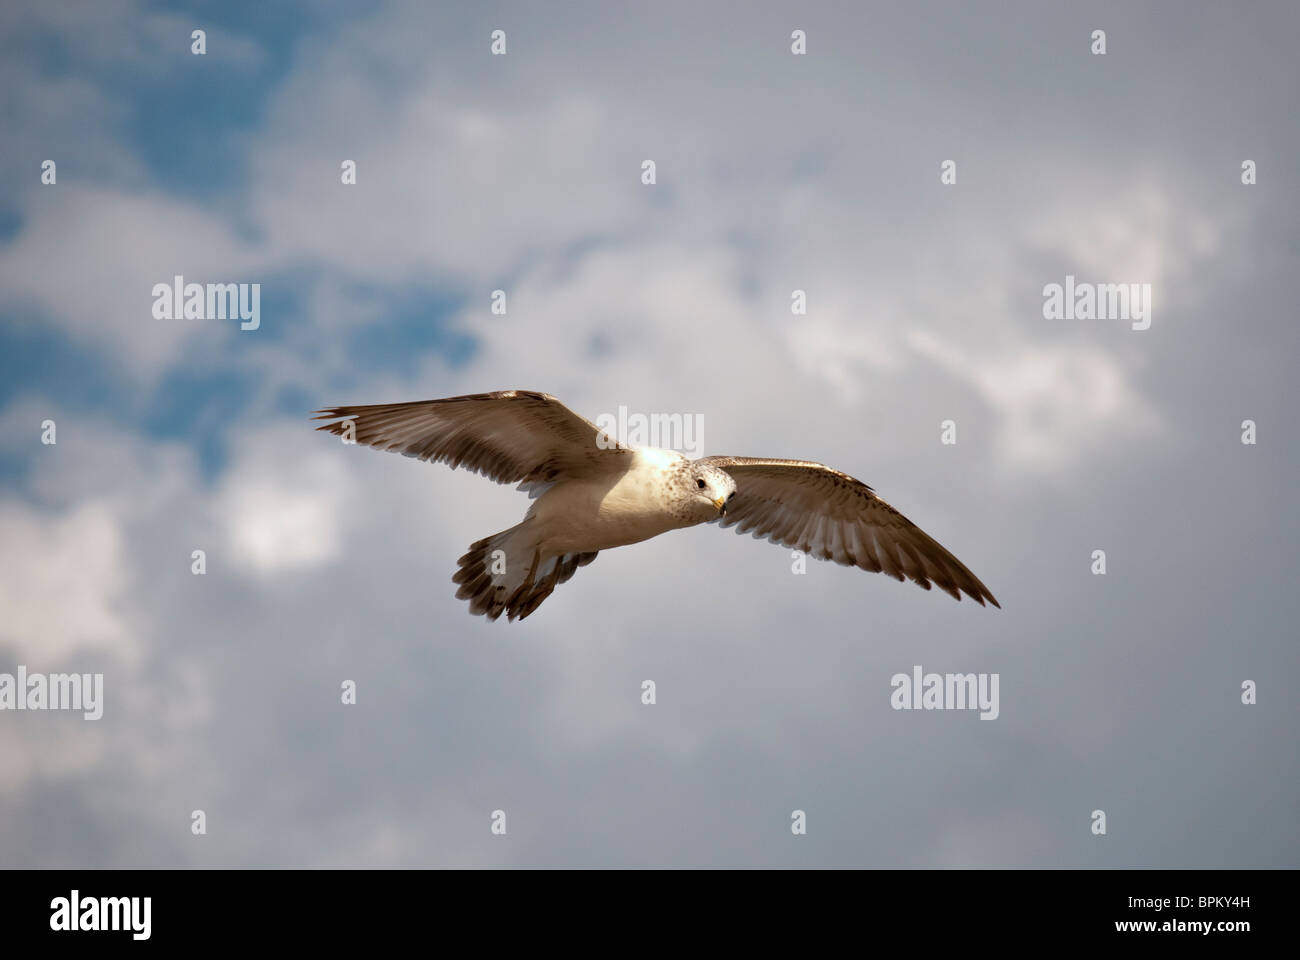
(592, 493)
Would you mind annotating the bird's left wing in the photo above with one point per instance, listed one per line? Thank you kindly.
(810, 507)
(509, 436)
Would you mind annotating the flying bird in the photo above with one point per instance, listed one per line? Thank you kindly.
(592, 493)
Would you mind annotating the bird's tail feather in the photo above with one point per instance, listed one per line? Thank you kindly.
(507, 573)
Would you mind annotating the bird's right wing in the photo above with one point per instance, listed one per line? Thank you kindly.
(828, 514)
(511, 436)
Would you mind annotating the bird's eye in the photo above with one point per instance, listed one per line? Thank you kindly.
(699, 483)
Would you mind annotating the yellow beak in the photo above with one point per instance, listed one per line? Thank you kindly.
(721, 504)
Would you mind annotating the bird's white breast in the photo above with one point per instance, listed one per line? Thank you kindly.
(605, 512)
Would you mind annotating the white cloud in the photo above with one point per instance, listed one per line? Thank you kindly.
(1056, 403)
(45, 747)
(281, 514)
(61, 578)
(88, 260)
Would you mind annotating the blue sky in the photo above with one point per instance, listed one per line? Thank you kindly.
(186, 125)
(775, 173)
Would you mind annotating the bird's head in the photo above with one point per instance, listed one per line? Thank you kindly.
(710, 489)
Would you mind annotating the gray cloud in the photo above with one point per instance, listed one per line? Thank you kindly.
(329, 563)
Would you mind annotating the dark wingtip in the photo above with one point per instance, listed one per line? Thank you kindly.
(979, 596)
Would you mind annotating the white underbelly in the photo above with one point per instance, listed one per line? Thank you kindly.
(578, 517)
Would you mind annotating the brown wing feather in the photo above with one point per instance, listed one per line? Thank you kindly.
(828, 514)
(509, 436)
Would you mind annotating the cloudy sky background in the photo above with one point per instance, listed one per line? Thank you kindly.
(775, 172)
